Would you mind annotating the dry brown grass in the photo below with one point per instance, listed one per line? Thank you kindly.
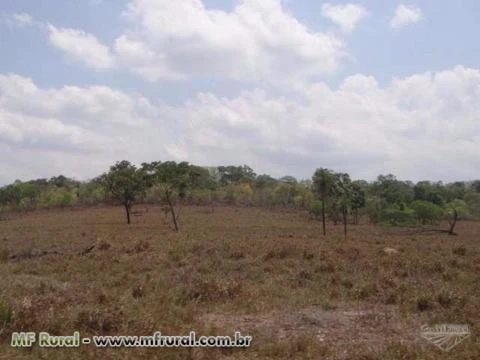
(270, 274)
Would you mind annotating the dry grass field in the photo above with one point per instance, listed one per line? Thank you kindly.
(269, 274)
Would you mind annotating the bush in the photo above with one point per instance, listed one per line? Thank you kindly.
(460, 207)
(201, 196)
(6, 314)
(426, 211)
(316, 209)
(396, 217)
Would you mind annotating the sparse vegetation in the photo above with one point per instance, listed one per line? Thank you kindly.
(269, 273)
(245, 255)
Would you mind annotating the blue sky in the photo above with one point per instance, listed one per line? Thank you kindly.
(367, 87)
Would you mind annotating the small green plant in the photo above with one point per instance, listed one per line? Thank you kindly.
(316, 209)
(6, 314)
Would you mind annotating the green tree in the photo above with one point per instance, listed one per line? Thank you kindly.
(428, 191)
(426, 211)
(393, 191)
(322, 186)
(125, 183)
(236, 174)
(316, 209)
(455, 210)
(359, 199)
(476, 186)
(343, 194)
(172, 181)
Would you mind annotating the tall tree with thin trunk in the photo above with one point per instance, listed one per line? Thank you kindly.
(358, 199)
(343, 193)
(172, 180)
(124, 183)
(322, 186)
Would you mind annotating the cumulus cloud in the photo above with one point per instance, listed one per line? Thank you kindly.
(424, 126)
(257, 40)
(405, 15)
(81, 46)
(418, 127)
(142, 60)
(346, 16)
(84, 128)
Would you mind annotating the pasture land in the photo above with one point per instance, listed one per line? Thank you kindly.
(267, 273)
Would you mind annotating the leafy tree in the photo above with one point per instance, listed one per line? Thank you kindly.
(359, 199)
(316, 209)
(303, 195)
(236, 174)
(288, 180)
(476, 186)
(396, 216)
(91, 192)
(461, 207)
(343, 193)
(456, 190)
(172, 181)
(393, 191)
(472, 200)
(426, 211)
(322, 186)
(125, 183)
(264, 181)
(428, 191)
(455, 209)
(20, 195)
(285, 193)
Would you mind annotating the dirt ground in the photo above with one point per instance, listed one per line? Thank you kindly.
(267, 273)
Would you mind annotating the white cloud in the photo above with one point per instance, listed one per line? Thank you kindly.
(346, 16)
(405, 15)
(424, 126)
(17, 20)
(91, 126)
(258, 40)
(81, 46)
(142, 60)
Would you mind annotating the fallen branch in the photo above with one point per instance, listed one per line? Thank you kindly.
(449, 232)
(421, 231)
(87, 250)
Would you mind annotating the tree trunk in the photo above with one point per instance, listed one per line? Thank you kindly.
(323, 217)
(127, 211)
(345, 220)
(453, 223)
(172, 211)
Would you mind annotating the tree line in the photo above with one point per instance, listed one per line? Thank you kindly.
(327, 196)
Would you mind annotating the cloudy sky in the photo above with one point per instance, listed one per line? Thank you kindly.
(285, 86)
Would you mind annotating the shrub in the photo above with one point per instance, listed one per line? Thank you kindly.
(316, 209)
(397, 217)
(6, 314)
(426, 211)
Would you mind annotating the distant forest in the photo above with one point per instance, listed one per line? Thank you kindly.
(327, 196)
